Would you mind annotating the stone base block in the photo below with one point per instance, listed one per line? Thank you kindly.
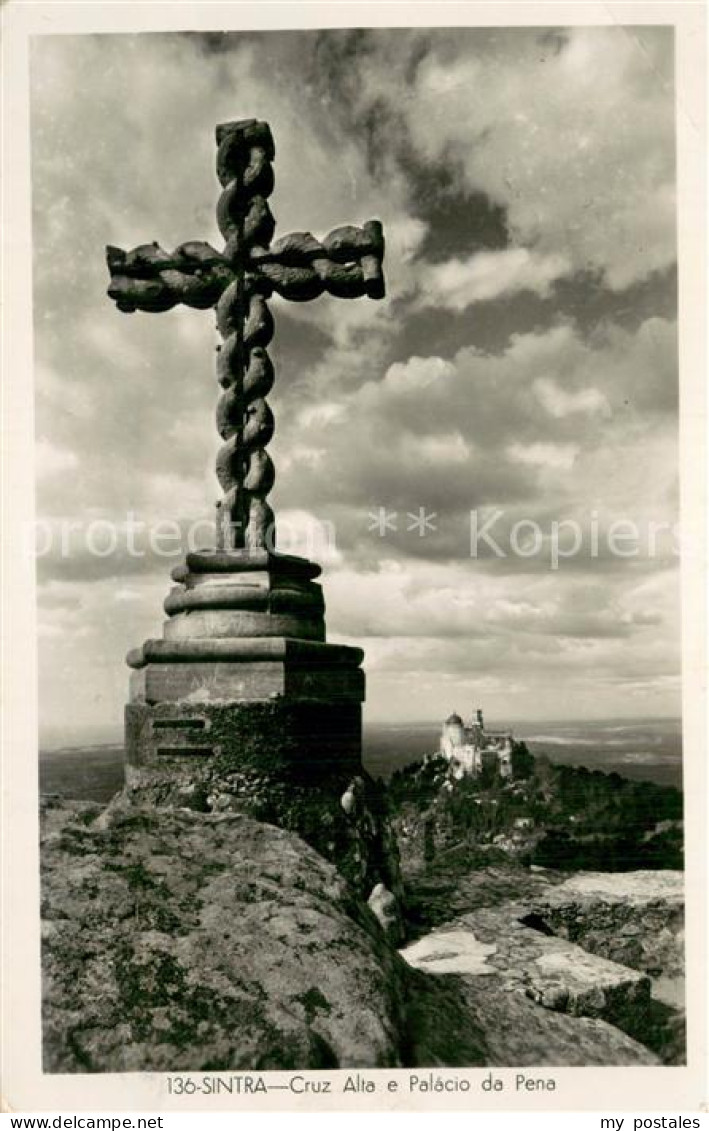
(219, 624)
(286, 700)
(284, 739)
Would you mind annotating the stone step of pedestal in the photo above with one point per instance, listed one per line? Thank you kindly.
(244, 650)
(245, 593)
(249, 580)
(228, 594)
(245, 670)
(246, 561)
(216, 624)
(244, 683)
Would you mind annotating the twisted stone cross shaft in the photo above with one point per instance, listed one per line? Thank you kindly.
(238, 281)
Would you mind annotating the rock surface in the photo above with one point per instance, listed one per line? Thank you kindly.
(493, 945)
(175, 940)
(512, 945)
(383, 905)
(443, 892)
(635, 918)
(507, 999)
(520, 1032)
(450, 950)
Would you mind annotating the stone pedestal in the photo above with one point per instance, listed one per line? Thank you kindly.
(243, 707)
(244, 628)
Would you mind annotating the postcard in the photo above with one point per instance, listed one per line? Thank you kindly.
(354, 651)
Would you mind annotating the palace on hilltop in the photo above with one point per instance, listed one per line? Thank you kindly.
(470, 748)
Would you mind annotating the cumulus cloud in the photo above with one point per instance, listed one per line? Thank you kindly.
(504, 164)
(51, 460)
(554, 456)
(479, 430)
(458, 284)
(453, 635)
(559, 403)
(570, 131)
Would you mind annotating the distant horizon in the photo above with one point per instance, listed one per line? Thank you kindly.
(55, 738)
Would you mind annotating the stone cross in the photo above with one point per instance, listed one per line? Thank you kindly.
(238, 281)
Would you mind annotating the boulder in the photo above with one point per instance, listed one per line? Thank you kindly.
(520, 1032)
(492, 943)
(182, 941)
(385, 908)
(175, 940)
(635, 918)
(506, 988)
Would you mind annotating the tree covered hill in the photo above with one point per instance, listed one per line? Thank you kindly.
(555, 816)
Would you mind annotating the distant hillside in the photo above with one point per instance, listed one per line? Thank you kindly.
(554, 816)
(640, 749)
(93, 773)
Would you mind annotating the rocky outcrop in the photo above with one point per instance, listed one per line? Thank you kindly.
(520, 1032)
(176, 940)
(562, 946)
(487, 864)
(504, 961)
(454, 885)
(260, 771)
(635, 918)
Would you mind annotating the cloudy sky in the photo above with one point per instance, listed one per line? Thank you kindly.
(523, 364)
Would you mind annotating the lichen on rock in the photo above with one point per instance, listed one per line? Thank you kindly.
(180, 940)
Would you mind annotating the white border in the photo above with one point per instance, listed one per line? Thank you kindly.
(591, 1089)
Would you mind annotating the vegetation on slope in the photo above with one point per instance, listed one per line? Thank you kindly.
(555, 816)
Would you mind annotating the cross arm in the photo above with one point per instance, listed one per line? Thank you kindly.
(347, 263)
(150, 278)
